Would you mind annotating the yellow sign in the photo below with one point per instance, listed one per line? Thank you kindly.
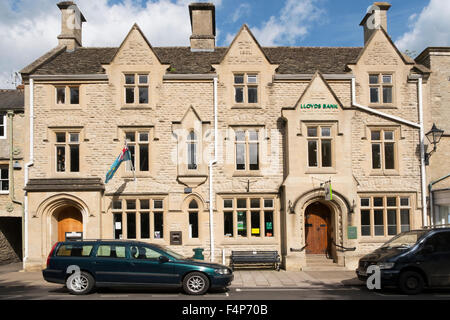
(255, 230)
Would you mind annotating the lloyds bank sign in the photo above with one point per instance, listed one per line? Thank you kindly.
(319, 106)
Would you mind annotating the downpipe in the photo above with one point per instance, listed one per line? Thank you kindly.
(211, 189)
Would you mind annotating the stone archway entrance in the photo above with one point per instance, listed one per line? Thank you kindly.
(318, 228)
(69, 220)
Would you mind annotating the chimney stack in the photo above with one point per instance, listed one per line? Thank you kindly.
(375, 19)
(71, 25)
(203, 22)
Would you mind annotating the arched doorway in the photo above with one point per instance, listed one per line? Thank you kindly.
(318, 228)
(69, 220)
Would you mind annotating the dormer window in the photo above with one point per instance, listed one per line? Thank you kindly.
(136, 88)
(246, 88)
(381, 88)
(68, 95)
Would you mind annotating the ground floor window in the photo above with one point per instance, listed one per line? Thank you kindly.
(442, 214)
(245, 217)
(4, 178)
(385, 215)
(144, 218)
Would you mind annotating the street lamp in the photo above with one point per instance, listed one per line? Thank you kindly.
(434, 136)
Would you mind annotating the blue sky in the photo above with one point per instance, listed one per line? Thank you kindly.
(29, 28)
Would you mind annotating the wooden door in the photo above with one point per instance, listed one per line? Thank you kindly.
(317, 219)
(69, 220)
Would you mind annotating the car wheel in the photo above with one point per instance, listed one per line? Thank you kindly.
(195, 283)
(411, 282)
(81, 284)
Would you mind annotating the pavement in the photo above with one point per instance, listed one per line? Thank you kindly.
(244, 278)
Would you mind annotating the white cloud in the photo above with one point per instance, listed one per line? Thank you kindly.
(292, 24)
(429, 28)
(242, 10)
(29, 28)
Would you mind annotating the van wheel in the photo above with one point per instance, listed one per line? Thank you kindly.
(411, 282)
(81, 284)
(195, 283)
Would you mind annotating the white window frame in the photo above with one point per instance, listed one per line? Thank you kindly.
(5, 127)
(6, 168)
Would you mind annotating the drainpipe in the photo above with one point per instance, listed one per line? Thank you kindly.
(211, 164)
(430, 192)
(409, 123)
(27, 168)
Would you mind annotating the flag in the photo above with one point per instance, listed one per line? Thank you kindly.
(125, 155)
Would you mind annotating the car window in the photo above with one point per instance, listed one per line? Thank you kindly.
(111, 251)
(140, 252)
(74, 250)
(440, 242)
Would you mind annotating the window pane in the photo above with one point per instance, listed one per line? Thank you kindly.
(132, 163)
(312, 153)
(193, 204)
(254, 156)
(158, 223)
(60, 159)
(253, 135)
(242, 203)
(387, 94)
(143, 157)
(312, 132)
(117, 204)
(129, 78)
(158, 204)
(61, 137)
(143, 95)
(60, 95)
(256, 225)
(376, 156)
(239, 95)
(240, 156)
(240, 135)
(404, 202)
(404, 220)
(389, 156)
(129, 95)
(373, 79)
(268, 223)
(387, 78)
(268, 203)
(192, 156)
(378, 202)
(145, 225)
(131, 225)
(74, 137)
(143, 78)
(228, 224)
(365, 202)
(130, 136)
(391, 201)
(252, 79)
(365, 222)
(228, 203)
(374, 95)
(255, 203)
(242, 223)
(145, 204)
(392, 222)
(193, 224)
(375, 135)
(326, 153)
(131, 204)
(74, 158)
(326, 132)
(389, 135)
(118, 226)
(238, 78)
(74, 95)
(252, 94)
(379, 225)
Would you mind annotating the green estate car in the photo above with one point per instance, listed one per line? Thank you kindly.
(84, 265)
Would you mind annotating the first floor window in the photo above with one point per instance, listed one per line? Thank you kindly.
(2, 126)
(139, 144)
(4, 178)
(385, 215)
(319, 146)
(136, 88)
(381, 88)
(247, 150)
(67, 151)
(67, 95)
(248, 217)
(383, 149)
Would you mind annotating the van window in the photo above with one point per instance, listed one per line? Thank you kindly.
(440, 242)
(74, 250)
(111, 251)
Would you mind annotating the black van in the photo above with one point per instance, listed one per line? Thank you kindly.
(412, 261)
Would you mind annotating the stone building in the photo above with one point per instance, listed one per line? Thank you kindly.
(12, 121)
(308, 151)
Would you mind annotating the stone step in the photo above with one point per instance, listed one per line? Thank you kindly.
(324, 268)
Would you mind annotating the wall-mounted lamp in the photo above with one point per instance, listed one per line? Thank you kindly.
(16, 165)
(434, 136)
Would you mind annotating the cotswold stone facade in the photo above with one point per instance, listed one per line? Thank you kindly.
(225, 157)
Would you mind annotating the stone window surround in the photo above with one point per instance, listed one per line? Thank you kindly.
(380, 86)
(397, 138)
(245, 85)
(247, 172)
(67, 95)
(235, 239)
(136, 87)
(384, 207)
(54, 143)
(151, 210)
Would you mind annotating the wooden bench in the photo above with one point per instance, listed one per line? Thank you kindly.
(255, 258)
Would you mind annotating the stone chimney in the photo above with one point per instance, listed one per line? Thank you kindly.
(71, 25)
(203, 22)
(375, 19)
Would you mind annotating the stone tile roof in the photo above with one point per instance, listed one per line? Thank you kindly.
(12, 100)
(85, 184)
(291, 60)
